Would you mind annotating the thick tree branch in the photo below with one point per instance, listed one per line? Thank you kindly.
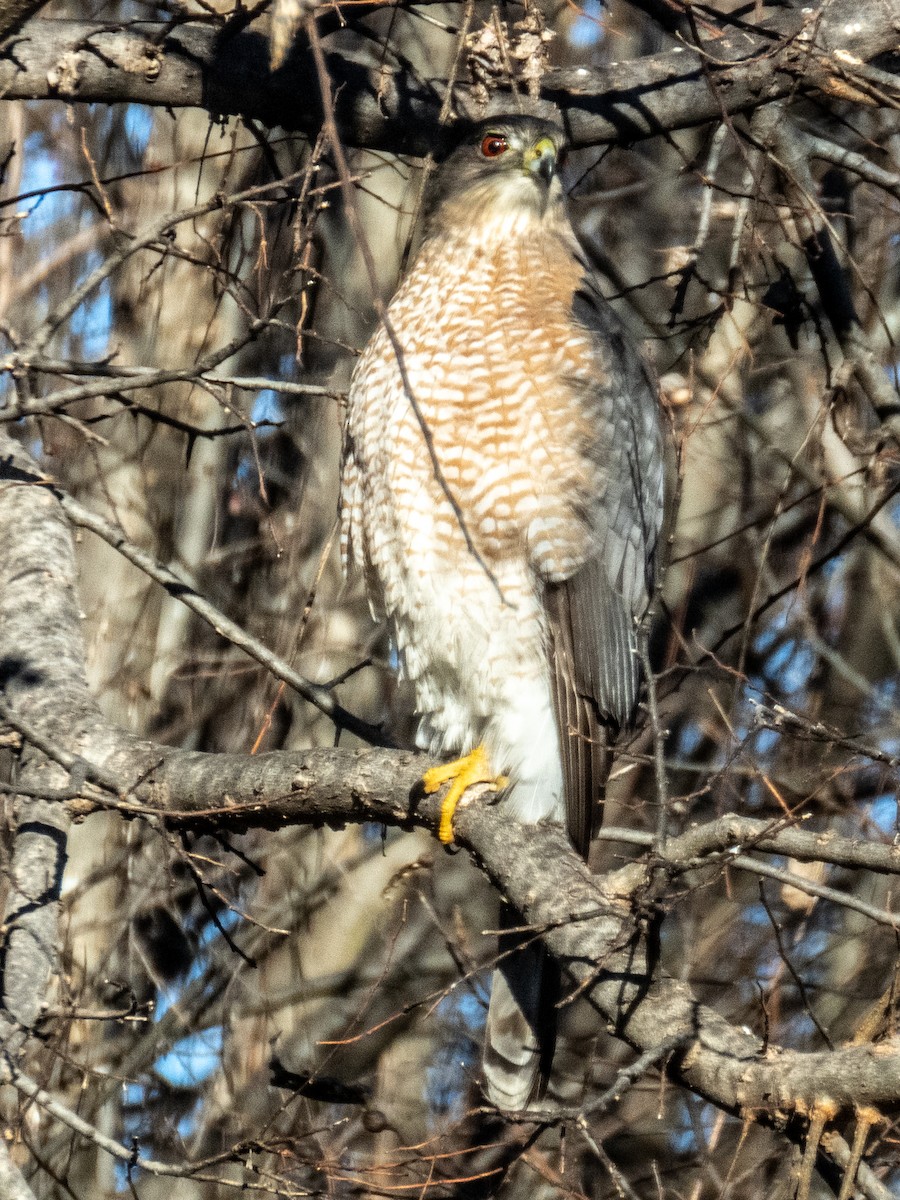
(381, 105)
(14, 14)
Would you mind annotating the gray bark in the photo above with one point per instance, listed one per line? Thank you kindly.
(385, 106)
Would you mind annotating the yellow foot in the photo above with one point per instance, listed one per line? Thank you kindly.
(460, 774)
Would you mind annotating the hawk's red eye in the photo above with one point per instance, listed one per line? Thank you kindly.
(494, 145)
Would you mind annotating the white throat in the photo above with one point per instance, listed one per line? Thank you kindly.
(509, 206)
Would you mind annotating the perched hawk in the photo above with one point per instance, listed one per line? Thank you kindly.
(502, 491)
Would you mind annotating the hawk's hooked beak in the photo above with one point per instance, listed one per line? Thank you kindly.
(540, 159)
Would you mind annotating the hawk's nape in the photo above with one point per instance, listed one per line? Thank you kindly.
(502, 490)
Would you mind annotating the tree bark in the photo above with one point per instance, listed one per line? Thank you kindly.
(383, 105)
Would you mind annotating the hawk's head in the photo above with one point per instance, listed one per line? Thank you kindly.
(503, 167)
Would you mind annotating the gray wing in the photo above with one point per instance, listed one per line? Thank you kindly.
(593, 616)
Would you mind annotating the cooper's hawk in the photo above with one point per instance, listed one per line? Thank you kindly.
(502, 490)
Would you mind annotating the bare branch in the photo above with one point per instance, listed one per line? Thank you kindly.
(381, 105)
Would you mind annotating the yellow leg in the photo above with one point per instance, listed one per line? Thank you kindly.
(460, 774)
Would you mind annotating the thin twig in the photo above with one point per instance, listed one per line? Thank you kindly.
(321, 697)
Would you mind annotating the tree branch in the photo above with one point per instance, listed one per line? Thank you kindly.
(382, 105)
